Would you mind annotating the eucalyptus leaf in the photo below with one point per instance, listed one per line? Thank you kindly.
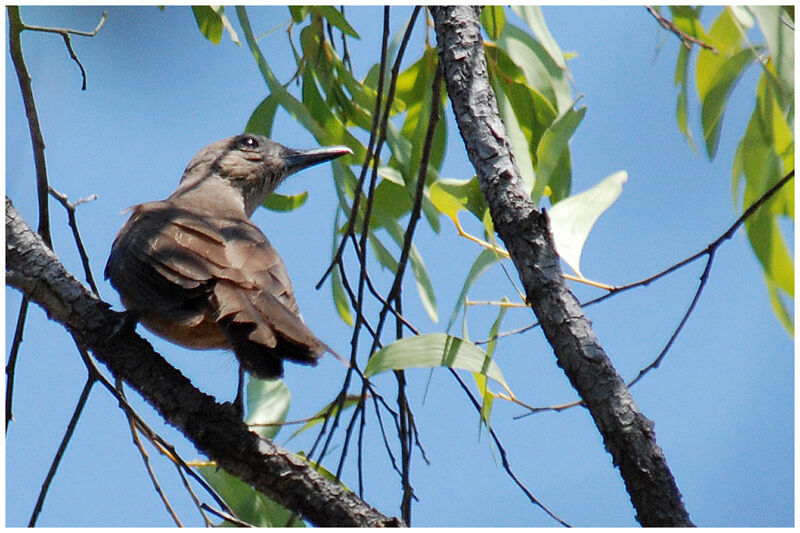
(434, 350)
(553, 144)
(248, 504)
(572, 219)
(283, 203)
(267, 403)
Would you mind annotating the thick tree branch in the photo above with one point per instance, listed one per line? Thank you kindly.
(214, 429)
(627, 434)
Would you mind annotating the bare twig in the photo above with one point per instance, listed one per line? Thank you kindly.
(73, 224)
(11, 366)
(504, 457)
(685, 38)
(65, 34)
(226, 516)
(146, 459)
(61, 449)
(15, 30)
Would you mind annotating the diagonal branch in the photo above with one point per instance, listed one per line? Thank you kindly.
(214, 429)
(627, 434)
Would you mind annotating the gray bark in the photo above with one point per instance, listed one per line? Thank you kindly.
(627, 434)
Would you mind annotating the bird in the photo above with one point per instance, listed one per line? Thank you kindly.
(195, 270)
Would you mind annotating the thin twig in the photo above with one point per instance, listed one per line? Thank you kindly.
(504, 457)
(685, 38)
(73, 422)
(365, 229)
(15, 30)
(11, 366)
(65, 34)
(226, 516)
(73, 224)
(164, 447)
(146, 459)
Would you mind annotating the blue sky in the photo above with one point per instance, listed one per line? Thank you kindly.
(722, 401)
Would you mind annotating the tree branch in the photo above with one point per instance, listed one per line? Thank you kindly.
(627, 434)
(214, 429)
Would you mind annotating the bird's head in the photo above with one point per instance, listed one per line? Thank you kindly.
(253, 165)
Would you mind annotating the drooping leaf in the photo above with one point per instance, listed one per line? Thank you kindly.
(263, 116)
(434, 350)
(484, 260)
(763, 156)
(212, 20)
(247, 503)
(451, 196)
(493, 20)
(487, 397)
(682, 107)
(336, 18)
(424, 284)
(780, 42)
(330, 411)
(715, 99)
(534, 17)
(551, 148)
(267, 403)
(283, 203)
(541, 72)
(209, 22)
(572, 219)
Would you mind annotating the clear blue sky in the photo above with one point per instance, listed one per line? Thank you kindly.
(722, 401)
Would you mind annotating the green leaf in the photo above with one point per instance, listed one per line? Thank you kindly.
(424, 285)
(209, 22)
(553, 144)
(533, 16)
(330, 411)
(687, 19)
(780, 42)
(263, 117)
(383, 255)
(434, 350)
(525, 111)
(493, 20)
(267, 403)
(717, 92)
(212, 20)
(484, 260)
(572, 219)
(763, 156)
(248, 504)
(283, 203)
(682, 107)
(520, 144)
(487, 395)
(327, 474)
(340, 297)
(335, 17)
(451, 196)
(541, 72)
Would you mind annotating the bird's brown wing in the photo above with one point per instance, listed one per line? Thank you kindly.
(213, 276)
(254, 300)
(155, 273)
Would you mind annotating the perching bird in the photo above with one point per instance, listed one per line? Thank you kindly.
(195, 270)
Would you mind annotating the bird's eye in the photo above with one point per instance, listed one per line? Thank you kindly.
(250, 142)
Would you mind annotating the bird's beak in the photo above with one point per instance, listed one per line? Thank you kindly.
(297, 160)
